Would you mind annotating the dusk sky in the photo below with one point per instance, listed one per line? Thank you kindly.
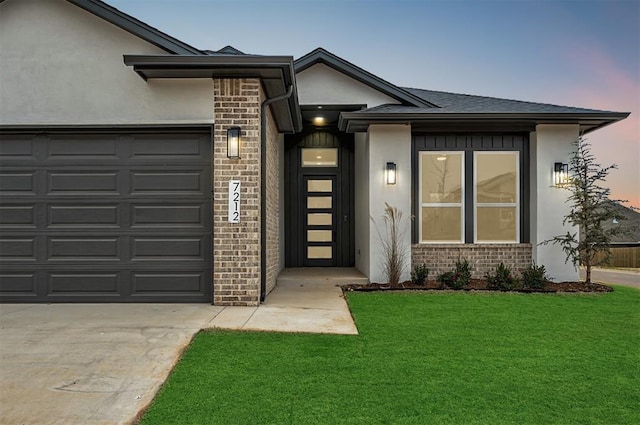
(583, 53)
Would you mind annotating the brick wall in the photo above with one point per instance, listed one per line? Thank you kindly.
(236, 246)
(273, 204)
(440, 258)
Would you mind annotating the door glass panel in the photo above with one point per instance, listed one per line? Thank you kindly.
(319, 202)
(319, 252)
(316, 219)
(320, 157)
(319, 185)
(319, 235)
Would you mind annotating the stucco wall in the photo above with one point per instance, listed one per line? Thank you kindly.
(361, 201)
(321, 84)
(549, 144)
(63, 65)
(389, 143)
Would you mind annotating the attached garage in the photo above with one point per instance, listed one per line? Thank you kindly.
(106, 215)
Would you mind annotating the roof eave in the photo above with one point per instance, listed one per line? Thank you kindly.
(275, 72)
(358, 121)
(136, 27)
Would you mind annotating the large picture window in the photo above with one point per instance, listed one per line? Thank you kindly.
(442, 197)
(479, 193)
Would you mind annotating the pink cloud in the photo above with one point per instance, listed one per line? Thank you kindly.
(604, 85)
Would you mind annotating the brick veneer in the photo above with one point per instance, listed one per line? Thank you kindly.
(273, 203)
(236, 246)
(440, 258)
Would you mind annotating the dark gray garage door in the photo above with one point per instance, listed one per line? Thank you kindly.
(105, 217)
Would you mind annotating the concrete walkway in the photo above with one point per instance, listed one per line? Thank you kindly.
(303, 301)
(103, 363)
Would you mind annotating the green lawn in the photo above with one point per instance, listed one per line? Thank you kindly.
(423, 358)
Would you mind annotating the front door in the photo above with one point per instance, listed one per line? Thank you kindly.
(319, 220)
(319, 229)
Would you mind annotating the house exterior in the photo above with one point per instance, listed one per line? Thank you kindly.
(120, 180)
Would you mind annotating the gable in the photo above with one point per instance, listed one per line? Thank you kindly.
(321, 84)
(64, 65)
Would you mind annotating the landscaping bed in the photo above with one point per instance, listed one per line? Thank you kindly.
(478, 285)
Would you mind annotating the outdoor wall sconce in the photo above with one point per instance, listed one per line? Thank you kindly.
(560, 174)
(233, 143)
(390, 173)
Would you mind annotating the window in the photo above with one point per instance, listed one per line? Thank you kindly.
(442, 196)
(496, 182)
(319, 157)
(481, 186)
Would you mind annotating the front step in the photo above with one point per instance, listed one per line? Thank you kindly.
(333, 276)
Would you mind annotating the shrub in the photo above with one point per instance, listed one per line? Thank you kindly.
(502, 279)
(534, 277)
(394, 255)
(420, 274)
(458, 277)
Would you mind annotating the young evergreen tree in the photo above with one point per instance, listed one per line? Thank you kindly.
(590, 208)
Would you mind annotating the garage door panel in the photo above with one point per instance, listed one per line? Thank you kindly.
(16, 147)
(188, 147)
(86, 182)
(18, 283)
(105, 217)
(82, 216)
(165, 181)
(18, 216)
(73, 249)
(163, 215)
(84, 283)
(18, 248)
(168, 249)
(17, 183)
(83, 147)
(145, 283)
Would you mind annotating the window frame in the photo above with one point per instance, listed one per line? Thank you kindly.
(460, 204)
(516, 204)
(470, 141)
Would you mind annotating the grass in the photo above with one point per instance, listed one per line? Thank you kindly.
(423, 358)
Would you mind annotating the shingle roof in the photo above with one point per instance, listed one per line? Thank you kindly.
(226, 50)
(468, 104)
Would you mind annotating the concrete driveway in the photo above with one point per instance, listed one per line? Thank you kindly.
(89, 363)
(102, 363)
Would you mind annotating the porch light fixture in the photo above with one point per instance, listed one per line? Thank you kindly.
(319, 121)
(560, 174)
(233, 143)
(390, 173)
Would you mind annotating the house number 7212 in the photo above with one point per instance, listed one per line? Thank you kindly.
(234, 201)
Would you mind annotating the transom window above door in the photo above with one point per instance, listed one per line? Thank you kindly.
(319, 157)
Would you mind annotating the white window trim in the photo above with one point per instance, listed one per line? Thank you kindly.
(493, 204)
(447, 205)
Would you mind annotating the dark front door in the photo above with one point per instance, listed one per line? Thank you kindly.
(319, 220)
(319, 228)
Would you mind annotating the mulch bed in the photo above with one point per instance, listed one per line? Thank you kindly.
(477, 285)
